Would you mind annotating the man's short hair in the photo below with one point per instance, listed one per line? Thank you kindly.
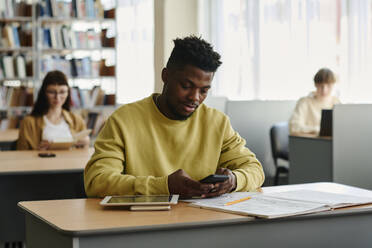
(194, 51)
(324, 76)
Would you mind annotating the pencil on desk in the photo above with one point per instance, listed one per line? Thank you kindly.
(237, 201)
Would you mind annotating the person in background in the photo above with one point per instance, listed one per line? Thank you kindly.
(307, 114)
(50, 118)
(166, 143)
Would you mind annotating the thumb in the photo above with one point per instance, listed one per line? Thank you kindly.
(221, 171)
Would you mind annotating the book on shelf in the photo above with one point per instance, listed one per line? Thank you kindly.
(29, 67)
(107, 41)
(3, 92)
(8, 36)
(16, 96)
(105, 70)
(110, 99)
(96, 96)
(3, 9)
(23, 9)
(8, 66)
(20, 66)
(99, 9)
(14, 67)
(17, 43)
(9, 8)
(75, 97)
(89, 98)
(109, 13)
(96, 120)
(46, 39)
(66, 38)
(12, 8)
(280, 204)
(25, 35)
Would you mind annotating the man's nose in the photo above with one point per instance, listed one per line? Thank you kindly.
(195, 95)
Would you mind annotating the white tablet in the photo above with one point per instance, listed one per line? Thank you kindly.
(130, 200)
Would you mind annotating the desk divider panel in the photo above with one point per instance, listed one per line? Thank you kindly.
(352, 144)
(253, 119)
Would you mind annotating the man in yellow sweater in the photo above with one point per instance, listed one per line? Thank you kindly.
(166, 143)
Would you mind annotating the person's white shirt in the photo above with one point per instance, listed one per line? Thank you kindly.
(307, 114)
(53, 132)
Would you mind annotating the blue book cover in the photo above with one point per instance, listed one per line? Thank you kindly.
(48, 8)
(47, 41)
(16, 36)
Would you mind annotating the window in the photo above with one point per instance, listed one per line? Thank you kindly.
(271, 49)
(135, 50)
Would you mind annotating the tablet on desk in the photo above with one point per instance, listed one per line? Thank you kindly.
(141, 200)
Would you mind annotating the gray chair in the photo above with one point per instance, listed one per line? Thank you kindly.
(279, 138)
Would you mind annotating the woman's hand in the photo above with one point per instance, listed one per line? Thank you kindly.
(83, 142)
(44, 145)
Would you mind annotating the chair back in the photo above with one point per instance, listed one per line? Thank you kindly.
(279, 141)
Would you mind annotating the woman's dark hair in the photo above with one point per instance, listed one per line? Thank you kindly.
(194, 51)
(41, 105)
(324, 76)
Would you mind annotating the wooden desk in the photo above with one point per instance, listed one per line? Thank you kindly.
(8, 135)
(29, 161)
(84, 223)
(26, 176)
(310, 159)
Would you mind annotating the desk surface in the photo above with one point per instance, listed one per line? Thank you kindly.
(86, 216)
(29, 161)
(8, 135)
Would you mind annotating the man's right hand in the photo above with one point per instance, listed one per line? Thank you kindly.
(179, 182)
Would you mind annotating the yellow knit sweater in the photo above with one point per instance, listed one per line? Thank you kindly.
(139, 147)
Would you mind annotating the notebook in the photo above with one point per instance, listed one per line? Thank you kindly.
(279, 204)
(326, 123)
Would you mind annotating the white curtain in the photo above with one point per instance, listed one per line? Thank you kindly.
(271, 49)
(135, 49)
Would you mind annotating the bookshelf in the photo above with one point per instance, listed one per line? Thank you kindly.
(77, 37)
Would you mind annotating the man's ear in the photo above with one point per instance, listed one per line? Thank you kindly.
(164, 75)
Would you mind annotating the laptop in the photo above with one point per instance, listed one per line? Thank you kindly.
(326, 123)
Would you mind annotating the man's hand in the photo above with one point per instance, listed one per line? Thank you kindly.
(223, 187)
(179, 182)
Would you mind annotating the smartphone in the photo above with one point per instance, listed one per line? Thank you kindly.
(214, 178)
(47, 155)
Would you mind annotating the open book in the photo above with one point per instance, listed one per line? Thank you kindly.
(68, 143)
(275, 205)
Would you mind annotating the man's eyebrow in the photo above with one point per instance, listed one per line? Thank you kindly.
(193, 84)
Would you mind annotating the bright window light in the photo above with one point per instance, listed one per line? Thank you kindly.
(135, 50)
(271, 49)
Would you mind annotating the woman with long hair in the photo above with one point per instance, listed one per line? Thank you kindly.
(51, 118)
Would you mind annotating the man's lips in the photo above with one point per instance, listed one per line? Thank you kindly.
(190, 107)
